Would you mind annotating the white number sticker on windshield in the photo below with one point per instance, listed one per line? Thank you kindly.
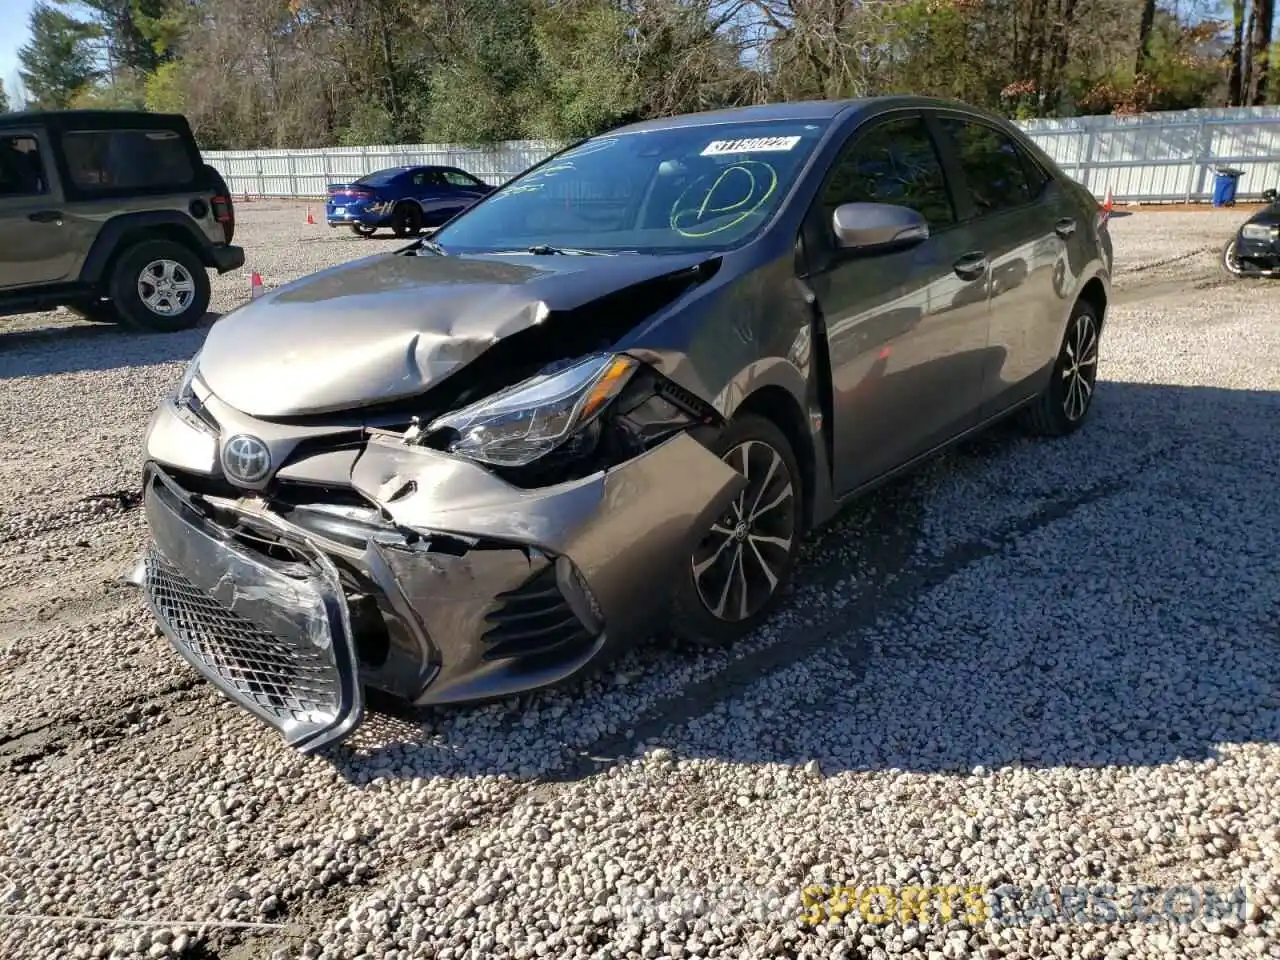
(719, 148)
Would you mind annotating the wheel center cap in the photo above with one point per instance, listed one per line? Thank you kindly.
(740, 531)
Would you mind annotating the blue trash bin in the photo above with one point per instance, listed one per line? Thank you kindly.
(1225, 180)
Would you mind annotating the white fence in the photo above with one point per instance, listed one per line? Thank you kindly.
(1155, 157)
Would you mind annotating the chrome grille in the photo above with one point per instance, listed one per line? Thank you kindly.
(294, 684)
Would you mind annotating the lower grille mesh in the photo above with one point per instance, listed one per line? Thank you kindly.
(288, 682)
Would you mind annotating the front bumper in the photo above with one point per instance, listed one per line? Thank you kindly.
(272, 634)
(473, 589)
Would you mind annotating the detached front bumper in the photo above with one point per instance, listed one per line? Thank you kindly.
(272, 632)
(473, 589)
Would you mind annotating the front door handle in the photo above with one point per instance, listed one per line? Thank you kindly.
(1064, 227)
(971, 266)
(46, 216)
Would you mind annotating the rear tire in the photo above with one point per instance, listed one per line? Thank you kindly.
(160, 286)
(1065, 403)
(406, 220)
(738, 572)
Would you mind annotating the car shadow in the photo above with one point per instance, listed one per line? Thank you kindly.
(81, 346)
(1116, 608)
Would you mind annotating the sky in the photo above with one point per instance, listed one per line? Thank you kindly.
(14, 15)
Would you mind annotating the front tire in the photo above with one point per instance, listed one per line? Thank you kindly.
(739, 570)
(1229, 262)
(406, 220)
(160, 286)
(360, 230)
(1067, 400)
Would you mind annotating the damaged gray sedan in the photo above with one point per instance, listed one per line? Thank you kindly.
(610, 398)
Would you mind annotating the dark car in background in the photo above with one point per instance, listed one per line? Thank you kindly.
(1254, 250)
(113, 214)
(405, 199)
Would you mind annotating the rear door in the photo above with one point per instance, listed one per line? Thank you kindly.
(433, 194)
(1019, 216)
(35, 247)
(907, 330)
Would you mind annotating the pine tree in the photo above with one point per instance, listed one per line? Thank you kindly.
(58, 60)
(4, 99)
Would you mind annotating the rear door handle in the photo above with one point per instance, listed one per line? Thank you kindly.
(1064, 227)
(971, 266)
(45, 216)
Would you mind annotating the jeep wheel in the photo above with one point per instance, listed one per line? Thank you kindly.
(406, 221)
(160, 286)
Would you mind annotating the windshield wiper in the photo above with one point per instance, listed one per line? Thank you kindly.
(543, 250)
(428, 244)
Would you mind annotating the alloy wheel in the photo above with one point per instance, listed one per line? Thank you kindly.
(1230, 262)
(166, 288)
(738, 565)
(1079, 366)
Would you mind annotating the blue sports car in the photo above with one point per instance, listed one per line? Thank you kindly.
(406, 199)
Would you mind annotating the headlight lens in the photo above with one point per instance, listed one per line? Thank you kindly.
(516, 426)
(1255, 231)
(182, 396)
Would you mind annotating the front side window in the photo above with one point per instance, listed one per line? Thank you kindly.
(21, 167)
(102, 160)
(894, 162)
(704, 187)
(992, 165)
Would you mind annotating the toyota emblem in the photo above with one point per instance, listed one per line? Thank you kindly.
(246, 459)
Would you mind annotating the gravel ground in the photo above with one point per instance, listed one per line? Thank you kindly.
(1030, 665)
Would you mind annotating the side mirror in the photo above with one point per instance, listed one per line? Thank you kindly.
(877, 227)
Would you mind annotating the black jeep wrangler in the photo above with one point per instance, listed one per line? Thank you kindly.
(112, 213)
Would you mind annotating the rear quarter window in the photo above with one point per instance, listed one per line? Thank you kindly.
(114, 160)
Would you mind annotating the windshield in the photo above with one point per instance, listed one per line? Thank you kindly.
(707, 187)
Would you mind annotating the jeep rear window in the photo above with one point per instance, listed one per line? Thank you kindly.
(111, 160)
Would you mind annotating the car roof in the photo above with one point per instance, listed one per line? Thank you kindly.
(104, 119)
(797, 110)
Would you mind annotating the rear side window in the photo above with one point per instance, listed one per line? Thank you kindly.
(21, 167)
(992, 163)
(894, 162)
(108, 160)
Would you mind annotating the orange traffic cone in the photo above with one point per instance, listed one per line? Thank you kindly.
(1107, 205)
(310, 219)
(255, 285)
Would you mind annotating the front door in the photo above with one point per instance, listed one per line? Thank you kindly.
(907, 330)
(34, 243)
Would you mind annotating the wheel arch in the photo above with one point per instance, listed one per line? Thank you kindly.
(122, 233)
(1094, 293)
(780, 407)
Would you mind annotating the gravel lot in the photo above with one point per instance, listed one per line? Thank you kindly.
(1033, 664)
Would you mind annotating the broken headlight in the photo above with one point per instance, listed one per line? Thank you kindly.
(182, 396)
(518, 425)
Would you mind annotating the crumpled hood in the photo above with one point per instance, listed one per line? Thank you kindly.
(391, 326)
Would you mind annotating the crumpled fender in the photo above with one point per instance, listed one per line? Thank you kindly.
(625, 529)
